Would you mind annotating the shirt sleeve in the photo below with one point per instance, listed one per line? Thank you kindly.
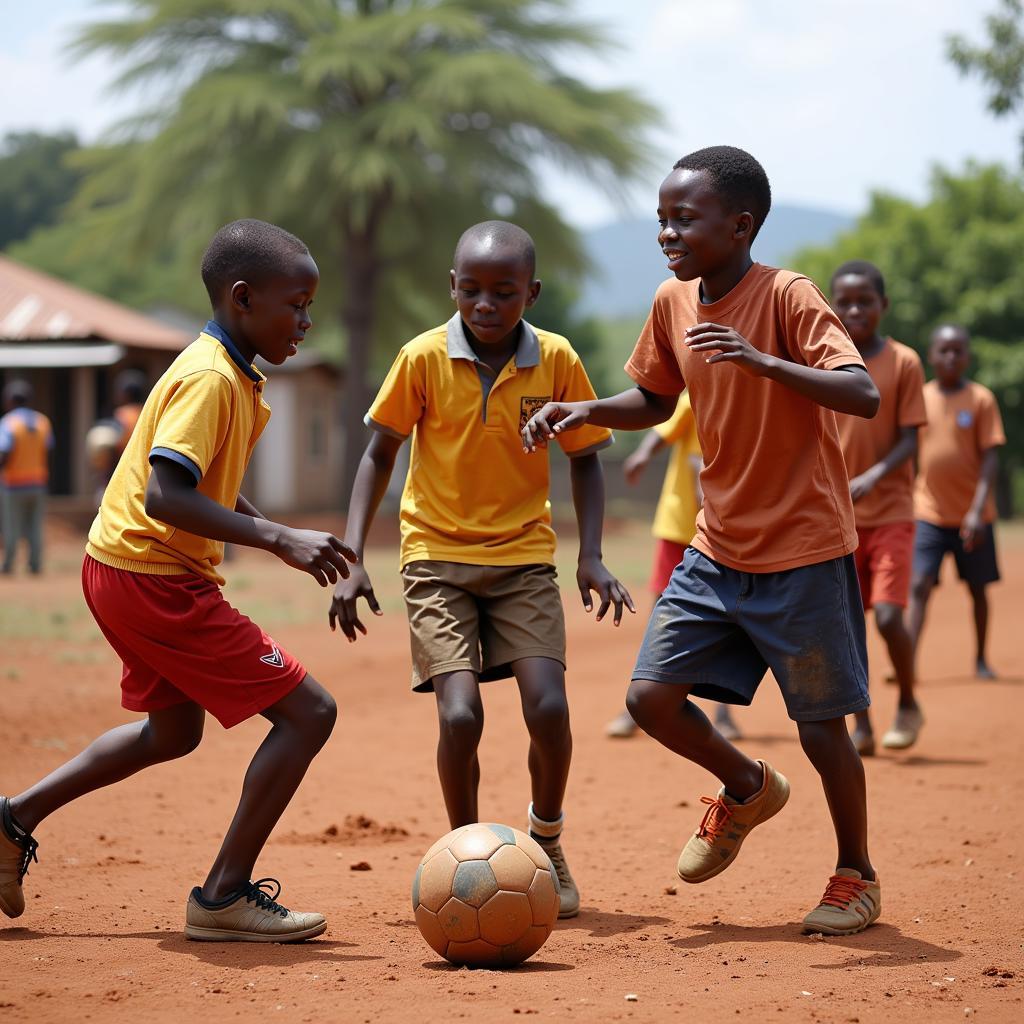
(6, 436)
(653, 364)
(813, 333)
(574, 386)
(679, 424)
(401, 400)
(911, 411)
(194, 421)
(990, 422)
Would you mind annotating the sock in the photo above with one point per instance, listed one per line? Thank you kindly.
(545, 830)
(197, 893)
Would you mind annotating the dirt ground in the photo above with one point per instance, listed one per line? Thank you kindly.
(101, 937)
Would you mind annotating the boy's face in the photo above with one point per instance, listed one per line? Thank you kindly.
(699, 235)
(275, 314)
(950, 354)
(859, 306)
(492, 287)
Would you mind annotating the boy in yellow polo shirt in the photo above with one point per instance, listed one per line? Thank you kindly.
(151, 581)
(477, 545)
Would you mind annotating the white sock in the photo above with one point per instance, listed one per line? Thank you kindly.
(541, 829)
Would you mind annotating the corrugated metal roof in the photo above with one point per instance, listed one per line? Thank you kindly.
(37, 307)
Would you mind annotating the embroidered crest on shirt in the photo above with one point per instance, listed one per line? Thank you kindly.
(274, 658)
(528, 406)
(964, 418)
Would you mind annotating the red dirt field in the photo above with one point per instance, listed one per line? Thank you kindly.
(101, 937)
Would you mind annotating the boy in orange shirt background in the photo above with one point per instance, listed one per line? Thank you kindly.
(953, 499)
(879, 457)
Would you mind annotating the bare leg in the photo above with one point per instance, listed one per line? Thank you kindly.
(117, 754)
(889, 619)
(301, 723)
(546, 711)
(461, 722)
(829, 748)
(664, 711)
(920, 591)
(979, 597)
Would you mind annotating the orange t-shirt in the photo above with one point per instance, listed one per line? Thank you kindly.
(899, 377)
(26, 437)
(776, 494)
(962, 425)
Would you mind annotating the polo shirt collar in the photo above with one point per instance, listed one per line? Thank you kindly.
(214, 330)
(527, 350)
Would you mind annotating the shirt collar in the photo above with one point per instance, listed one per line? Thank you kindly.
(214, 330)
(527, 350)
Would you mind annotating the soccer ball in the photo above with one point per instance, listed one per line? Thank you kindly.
(485, 896)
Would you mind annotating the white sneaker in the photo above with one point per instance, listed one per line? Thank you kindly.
(905, 728)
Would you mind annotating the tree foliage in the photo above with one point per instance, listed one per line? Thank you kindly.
(953, 258)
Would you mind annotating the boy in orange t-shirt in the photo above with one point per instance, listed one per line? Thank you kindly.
(953, 499)
(768, 581)
(879, 458)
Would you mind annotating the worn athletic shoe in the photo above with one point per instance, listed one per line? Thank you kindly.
(727, 728)
(863, 742)
(622, 726)
(17, 851)
(849, 905)
(253, 916)
(568, 894)
(713, 847)
(905, 728)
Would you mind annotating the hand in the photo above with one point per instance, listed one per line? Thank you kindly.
(863, 485)
(591, 575)
(322, 555)
(343, 605)
(970, 530)
(552, 419)
(728, 345)
(634, 466)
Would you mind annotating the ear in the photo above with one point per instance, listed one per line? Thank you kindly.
(451, 283)
(241, 297)
(533, 293)
(744, 225)
(885, 304)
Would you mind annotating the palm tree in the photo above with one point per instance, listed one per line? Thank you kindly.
(375, 129)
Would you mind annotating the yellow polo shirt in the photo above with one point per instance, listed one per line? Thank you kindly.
(472, 495)
(675, 518)
(205, 413)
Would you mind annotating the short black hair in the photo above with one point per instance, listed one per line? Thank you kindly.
(949, 326)
(131, 385)
(862, 268)
(500, 234)
(247, 250)
(737, 178)
(18, 392)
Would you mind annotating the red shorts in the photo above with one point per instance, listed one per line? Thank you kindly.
(667, 555)
(179, 641)
(884, 557)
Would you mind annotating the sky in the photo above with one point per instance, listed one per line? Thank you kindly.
(836, 99)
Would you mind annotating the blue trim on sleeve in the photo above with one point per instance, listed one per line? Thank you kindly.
(182, 460)
(214, 330)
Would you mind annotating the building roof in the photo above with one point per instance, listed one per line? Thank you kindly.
(37, 307)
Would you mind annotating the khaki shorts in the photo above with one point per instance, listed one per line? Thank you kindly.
(480, 618)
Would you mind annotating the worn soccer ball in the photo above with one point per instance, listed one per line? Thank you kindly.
(485, 896)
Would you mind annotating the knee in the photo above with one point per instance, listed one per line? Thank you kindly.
(462, 724)
(889, 620)
(920, 589)
(180, 744)
(645, 702)
(548, 719)
(322, 715)
(819, 739)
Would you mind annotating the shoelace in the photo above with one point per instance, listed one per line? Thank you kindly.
(260, 893)
(28, 855)
(716, 817)
(841, 891)
(558, 860)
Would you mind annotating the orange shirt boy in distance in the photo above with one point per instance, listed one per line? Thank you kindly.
(953, 498)
(879, 458)
(769, 580)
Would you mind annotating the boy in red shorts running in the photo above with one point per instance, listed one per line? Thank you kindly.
(151, 582)
(879, 457)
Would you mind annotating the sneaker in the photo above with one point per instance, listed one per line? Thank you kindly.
(17, 851)
(849, 905)
(253, 916)
(725, 725)
(568, 894)
(622, 726)
(905, 728)
(982, 670)
(713, 847)
(864, 742)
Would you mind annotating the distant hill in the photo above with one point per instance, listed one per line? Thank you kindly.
(630, 265)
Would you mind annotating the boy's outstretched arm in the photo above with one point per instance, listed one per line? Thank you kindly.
(905, 448)
(591, 574)
(370, 485)
(970, 528)
(846, 389)
(172, 498)
(636, 409)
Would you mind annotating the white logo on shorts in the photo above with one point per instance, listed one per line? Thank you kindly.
(274, 658)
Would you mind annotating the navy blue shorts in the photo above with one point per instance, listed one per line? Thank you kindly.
(718, 630)
(932, 543)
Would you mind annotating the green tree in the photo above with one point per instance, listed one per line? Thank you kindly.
(954, 258)
(36, 181)
(375, 129)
